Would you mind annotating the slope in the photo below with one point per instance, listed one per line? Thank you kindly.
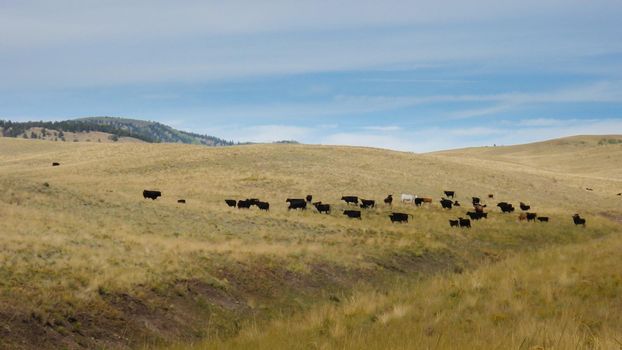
(87, 262)
(590, 156)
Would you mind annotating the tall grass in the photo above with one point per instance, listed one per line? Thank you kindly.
(558, 298)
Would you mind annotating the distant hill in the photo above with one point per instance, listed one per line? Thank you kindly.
(110, 129)
(584, 155)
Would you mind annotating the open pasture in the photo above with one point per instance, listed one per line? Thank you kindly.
(87, 261)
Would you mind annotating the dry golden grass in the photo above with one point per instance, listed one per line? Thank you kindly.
(577, 156)
(89, 232)
(557, 298)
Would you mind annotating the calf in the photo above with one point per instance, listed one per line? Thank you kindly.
(476, 200)
(491, 196)
(399, 217)
(464, 222)
(182, 201)
(578, 220)
(263, 206)
(418, 201)
(389, 199)
(322, 208)
(588, 189)
(532, 217)
(449, 194)
(151, 194)
(456, 204)
(543, 218)
(231, 202)
(350, 199)
(454, 223)
(55, 164)
(309, 198)
(524, 207)
(367, 203)
(353, 214)
(446, 203)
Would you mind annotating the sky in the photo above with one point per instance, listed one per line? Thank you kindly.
(406, 75)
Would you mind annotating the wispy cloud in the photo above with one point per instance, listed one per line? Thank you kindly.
(384, 128)
(410, 75)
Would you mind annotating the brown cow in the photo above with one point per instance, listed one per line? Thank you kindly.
(479, 208)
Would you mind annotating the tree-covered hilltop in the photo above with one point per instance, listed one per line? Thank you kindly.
(147, 131)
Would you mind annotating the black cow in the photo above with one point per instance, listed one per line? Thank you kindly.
(506, 207)
(309, 198)
(476, 200)
(418, 201)
(353, 214)
(182, 201)
(464, 222)
(231, 202)
(253, 201)
(244, 204)
(151, 194)
(322, 208)
(477, 215)
(399, 217)
(454, 223)
(449, 194)
(350, 199)
(578, 220)
(456, 204)
(532, 217)
(543, 218)
(263, 206)
(389, 199)
(55, 164)
(368, 203)
(297, 203)
(524, 207)
(446, 203)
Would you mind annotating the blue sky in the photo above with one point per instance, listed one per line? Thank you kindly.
(406, 75)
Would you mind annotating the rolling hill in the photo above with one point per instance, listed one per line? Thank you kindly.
(87, 262)
(590, 155)
(106, 129)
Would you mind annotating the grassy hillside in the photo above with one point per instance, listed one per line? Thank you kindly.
(87, 262)
(557, 298)
(591, 156)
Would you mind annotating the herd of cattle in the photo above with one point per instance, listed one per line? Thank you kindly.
(478, 213)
